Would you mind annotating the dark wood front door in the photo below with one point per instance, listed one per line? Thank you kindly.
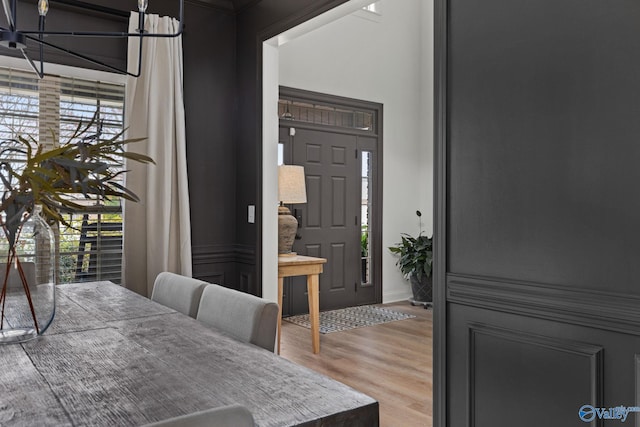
(339, 142)
(329, 223)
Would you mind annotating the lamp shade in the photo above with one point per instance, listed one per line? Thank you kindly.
(291, 184)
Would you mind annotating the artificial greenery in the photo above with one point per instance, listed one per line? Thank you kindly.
(416, 255)
(87, 166)
(364, 241)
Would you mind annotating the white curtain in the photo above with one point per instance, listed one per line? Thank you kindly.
(157, 230)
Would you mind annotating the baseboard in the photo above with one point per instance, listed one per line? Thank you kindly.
(396, 296)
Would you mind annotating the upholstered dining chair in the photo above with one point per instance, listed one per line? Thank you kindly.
(178, 292)
(225, 416)
(243, 316)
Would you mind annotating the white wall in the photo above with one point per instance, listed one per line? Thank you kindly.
(270, 171)
(388, 60)
(426, 113)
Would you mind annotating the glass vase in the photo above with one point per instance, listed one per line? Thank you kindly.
(27, 279)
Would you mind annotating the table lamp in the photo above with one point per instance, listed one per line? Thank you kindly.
(291, 189)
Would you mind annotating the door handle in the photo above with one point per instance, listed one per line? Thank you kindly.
(297, 213)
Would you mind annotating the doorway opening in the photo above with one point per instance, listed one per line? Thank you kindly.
(341, 55)
(338, 141)
(388, 59)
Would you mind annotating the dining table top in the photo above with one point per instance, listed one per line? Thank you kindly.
(115, 358)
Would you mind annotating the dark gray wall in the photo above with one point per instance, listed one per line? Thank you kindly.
(544, 135)
(222, 83)
(538, 214)
(210, 104)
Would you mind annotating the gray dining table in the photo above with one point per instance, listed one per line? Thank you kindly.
(115, 358)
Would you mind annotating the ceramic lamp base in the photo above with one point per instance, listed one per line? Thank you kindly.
(287, 228)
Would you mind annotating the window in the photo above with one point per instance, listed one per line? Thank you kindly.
(371, 12)
(329, 115)
(365, 213)
(373, 7)
(91, 249)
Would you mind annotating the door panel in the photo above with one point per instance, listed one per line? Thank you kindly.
(314, 193)
(338, 269)
(329, 225)
(331, 216)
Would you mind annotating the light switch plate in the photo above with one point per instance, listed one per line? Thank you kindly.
(251, 214)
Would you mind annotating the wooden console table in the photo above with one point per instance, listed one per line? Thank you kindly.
(311, 267)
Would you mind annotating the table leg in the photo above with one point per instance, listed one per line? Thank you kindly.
(314, 310)
(280, 285)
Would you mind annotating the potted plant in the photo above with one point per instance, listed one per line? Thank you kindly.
(415, 262)
(35, 185)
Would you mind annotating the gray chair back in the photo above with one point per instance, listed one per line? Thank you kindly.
(178, 292)
(243, 316)
(225, 416)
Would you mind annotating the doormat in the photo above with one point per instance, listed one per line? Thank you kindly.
(350, 318)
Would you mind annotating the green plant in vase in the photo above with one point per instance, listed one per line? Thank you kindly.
(37, 185)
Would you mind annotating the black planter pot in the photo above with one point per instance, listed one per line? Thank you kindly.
(422, 289)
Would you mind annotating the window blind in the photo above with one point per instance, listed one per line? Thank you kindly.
(91, 247)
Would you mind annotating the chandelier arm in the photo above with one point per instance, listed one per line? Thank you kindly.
(14, 38)
(33, 65)
(86, 58)
(113, 34)
(10, 12)
(41, 22)
(139, 62)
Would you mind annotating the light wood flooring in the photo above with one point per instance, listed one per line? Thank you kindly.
(391, 362)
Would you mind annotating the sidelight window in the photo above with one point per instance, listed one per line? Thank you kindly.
(365, 213)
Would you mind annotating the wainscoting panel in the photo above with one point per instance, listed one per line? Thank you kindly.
(217, 277)
(520, 369)
(246, 281)
(606, 310)
(506, 369)
(232, 266)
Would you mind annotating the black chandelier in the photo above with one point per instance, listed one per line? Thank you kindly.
(14, 38)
